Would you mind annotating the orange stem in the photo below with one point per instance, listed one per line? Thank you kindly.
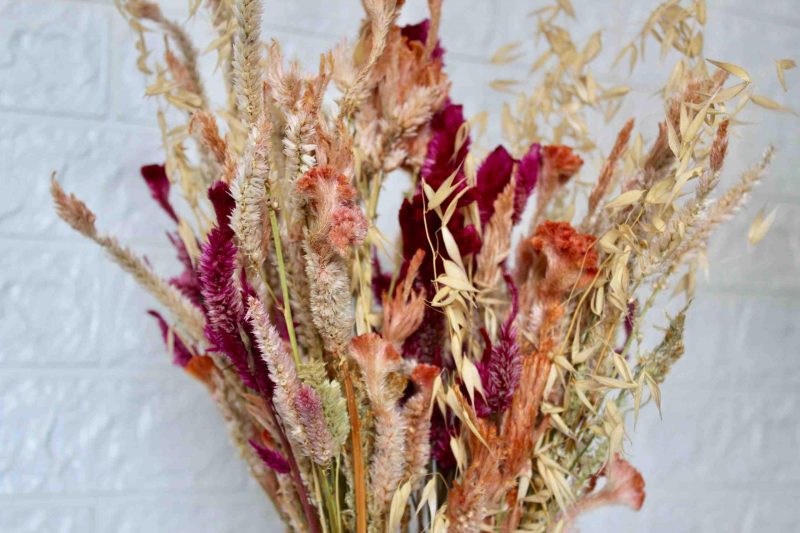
(359, 477)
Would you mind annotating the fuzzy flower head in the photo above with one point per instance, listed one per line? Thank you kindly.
(624, 486)
(496, 172)
(338, 223)
(561, 162)
(308, 406)
(560, 258)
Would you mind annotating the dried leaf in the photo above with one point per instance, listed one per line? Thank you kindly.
(505, 86)
(505, 54)
(624, 199)
(398, 506)
(768, 103)
(782, 65)
(760, 226)
(736, 70)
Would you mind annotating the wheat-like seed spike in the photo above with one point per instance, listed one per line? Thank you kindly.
(246, 58)
(81, 218)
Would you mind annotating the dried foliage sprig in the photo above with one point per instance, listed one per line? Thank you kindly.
(485, 379)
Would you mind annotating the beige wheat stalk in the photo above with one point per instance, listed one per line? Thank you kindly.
(381, 14)
(728, 204)
(249, 190)
(246, 58)
(75, 213)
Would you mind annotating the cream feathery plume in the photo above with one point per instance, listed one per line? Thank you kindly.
(496, 240)
(75, 213)
(246, 58)
(298, 405)
(283, 86)
(435, 8)
(417, 412)
(381, 14)
(298, 145)
(249, 190)
(721, 210)
(331, 301)
(377, 360)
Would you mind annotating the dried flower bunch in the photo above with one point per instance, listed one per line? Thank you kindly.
(481, 383)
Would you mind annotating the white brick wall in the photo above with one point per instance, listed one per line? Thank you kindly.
(98, 433)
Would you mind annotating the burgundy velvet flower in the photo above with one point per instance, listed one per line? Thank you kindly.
(495, 173)
(156, 178)
(442, 159)
(224, 309)
(501, 365)
(188, 281)
(181, 354)
(272, 458)
(220, 196)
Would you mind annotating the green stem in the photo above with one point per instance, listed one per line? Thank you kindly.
(330, 501)
(287, 308)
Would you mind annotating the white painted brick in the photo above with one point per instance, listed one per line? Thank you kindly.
(243, 513)
(99, 163)
(89, 431)
(715, 440)
(96, 319)
(50, 518)
(54, 57)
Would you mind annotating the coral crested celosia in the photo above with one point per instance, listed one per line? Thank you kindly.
(475, 373)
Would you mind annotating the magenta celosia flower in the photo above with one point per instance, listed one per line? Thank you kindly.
(501, 365)
(181, 354)
(187, 282)
(528, 169)
(495, 173)
(272, 458)
(223, 297)
(308, 406)
(493, 176)
(156, 178)
(442, 159)
(220, 196)
(381, 281)
(425, 344)
(223, 304)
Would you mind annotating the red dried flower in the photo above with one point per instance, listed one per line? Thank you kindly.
(181, 354)
(272, 458)
(560, 257)
(562, 161)
(156, 178)
(348, 228)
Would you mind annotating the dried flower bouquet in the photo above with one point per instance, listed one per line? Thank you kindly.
(471, 382)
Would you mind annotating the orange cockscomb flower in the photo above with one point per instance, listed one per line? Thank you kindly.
(559, 258)
(339, 222)
(561, 161)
